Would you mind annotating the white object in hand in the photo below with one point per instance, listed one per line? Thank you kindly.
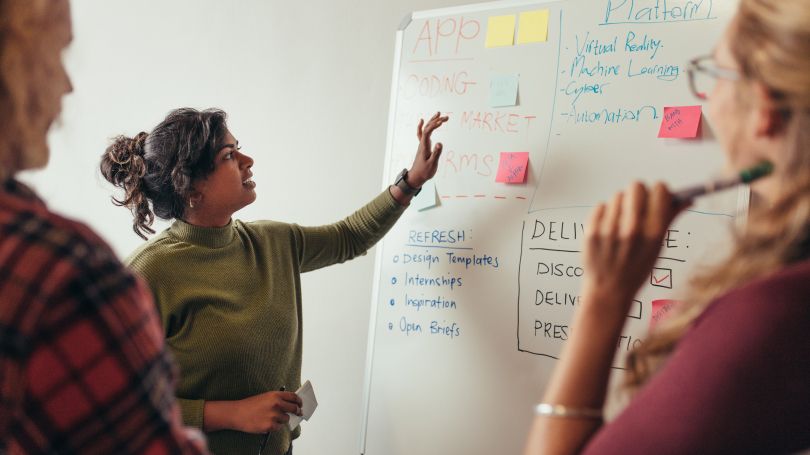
(307, 395)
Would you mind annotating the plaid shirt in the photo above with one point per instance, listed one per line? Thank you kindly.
(83, 366)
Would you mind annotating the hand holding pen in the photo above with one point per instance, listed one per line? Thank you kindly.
(272, 412)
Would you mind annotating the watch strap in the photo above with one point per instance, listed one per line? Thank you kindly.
(402, 184)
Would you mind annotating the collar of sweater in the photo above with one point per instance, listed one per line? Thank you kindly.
(210, 237)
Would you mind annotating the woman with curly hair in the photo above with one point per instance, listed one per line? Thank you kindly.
(229, 292)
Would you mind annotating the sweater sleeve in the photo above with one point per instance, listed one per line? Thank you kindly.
(737, 382)
(322, 246)
(192, 411)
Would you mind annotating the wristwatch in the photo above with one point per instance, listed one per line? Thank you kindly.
(402, 184)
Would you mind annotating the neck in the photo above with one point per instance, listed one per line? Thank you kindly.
(207, 219)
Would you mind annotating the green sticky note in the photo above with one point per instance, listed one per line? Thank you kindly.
(500, 31)
(427, 197)
(533, 27)
(503, 90)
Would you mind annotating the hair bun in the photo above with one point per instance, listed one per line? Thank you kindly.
(123, 162)
(138, 144)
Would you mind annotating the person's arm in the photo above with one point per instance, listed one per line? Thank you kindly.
(261, 413)
(623, 239)
(426, 162)
(102, 374)
(335, 243)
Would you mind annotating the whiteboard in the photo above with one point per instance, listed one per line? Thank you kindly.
(472, 299)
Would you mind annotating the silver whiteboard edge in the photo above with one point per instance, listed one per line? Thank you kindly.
(478, 7)
(375, 289)
(406, 21)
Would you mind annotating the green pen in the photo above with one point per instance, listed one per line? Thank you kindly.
(746, 176)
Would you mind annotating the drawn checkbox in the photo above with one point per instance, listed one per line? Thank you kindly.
(661, 277)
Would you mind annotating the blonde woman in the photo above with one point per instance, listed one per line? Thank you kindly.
(729, 373)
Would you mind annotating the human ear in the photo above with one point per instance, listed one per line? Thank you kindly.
(768, 119)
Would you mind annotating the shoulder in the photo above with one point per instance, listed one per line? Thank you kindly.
(268, 230)
(779, 297)
(41, 232)
(154, 253)
(58, 261)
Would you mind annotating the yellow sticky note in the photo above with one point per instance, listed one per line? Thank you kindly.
(533, 27)
(501, 31)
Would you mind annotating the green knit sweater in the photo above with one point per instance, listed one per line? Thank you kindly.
(230, 302)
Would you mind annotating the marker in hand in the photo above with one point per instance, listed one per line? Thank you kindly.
(687, 195)
(267, 435)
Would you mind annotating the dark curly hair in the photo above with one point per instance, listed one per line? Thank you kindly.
(157, 170)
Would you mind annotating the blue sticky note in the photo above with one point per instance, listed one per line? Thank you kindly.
(503, 90)
(426, 198)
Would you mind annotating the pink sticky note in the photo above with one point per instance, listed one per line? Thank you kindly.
(680, 122)
(660, 309)
(512, 167)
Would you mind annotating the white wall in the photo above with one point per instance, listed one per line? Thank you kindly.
(306, 85)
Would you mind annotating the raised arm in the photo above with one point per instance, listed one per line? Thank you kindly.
(623, 241)
(325, 245)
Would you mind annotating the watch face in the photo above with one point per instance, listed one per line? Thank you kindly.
(402, 183)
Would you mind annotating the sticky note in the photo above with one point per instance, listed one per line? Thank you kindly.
(533, 27)
(512, 167)
(500, 31)
(660, 309)
(680, 122)
(426, 198)
(503, 90)
(310, 403)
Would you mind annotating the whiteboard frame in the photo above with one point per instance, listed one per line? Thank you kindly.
(378, 256)
(392, 109)
(743, 194)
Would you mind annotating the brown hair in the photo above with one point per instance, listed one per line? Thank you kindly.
(157, 170)
(771, 43)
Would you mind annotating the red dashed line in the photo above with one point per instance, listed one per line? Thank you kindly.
(479, 196)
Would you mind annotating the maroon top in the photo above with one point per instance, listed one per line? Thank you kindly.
(738, 382)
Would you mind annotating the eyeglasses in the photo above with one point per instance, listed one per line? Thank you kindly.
(704, 73)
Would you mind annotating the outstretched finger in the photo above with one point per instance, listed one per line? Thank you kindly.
(437, 151)
(433, 124)
(286, 406)
(661, 209)
(419, 129)
(594, 225)
(633, 212)
(612, 215)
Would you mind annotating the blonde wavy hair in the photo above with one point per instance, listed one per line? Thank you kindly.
(30, 78)
(771, 43)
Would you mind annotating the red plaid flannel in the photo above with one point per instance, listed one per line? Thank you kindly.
(83, 366)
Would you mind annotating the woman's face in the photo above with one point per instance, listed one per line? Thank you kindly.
(229, 187)
(738, 113)
(727, 112)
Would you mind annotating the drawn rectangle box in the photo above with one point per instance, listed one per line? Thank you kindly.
(661, 277)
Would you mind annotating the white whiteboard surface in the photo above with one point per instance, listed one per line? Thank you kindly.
(472, 299)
